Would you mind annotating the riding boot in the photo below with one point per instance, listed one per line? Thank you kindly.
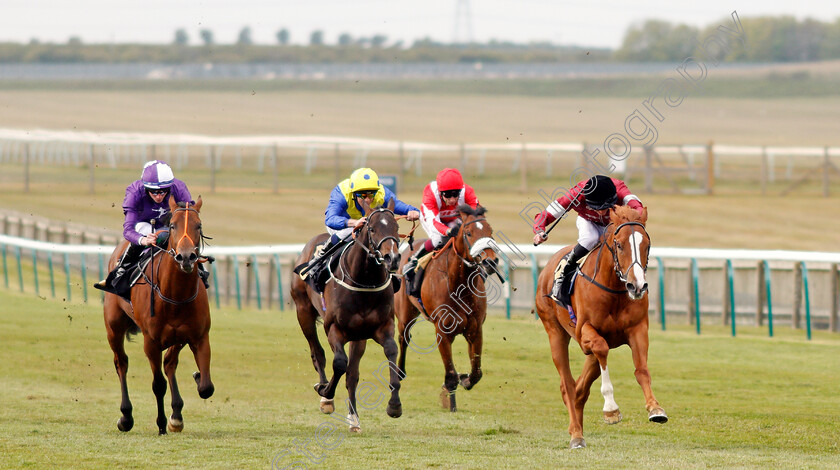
(416, 282)
(316, 271)
(128, 259)
(566, 267)
(204, 275)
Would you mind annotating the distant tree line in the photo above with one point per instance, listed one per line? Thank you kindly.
(769, 39)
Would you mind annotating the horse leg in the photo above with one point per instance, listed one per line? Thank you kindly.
(450, 378)
(116, 338)
(153, 352)
(595, 344)
(405, 338)
(638, 341)
(201, 352)
(385, 337)
(474, 343)
(337, 341)
(558, 339)
(307, 316)
(170, 363)
(357, 350)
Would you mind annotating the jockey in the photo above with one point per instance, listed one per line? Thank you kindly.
(440, 220)
(344, 211)
(145, 205)
(591, 199)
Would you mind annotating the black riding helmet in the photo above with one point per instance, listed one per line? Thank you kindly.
(600, 192)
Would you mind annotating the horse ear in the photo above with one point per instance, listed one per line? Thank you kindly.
(391, 204)
(644, 215)
(172, 204)
(365, 207)
(198, 203)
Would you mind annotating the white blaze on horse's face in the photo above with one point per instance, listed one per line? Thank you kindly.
(636, 275)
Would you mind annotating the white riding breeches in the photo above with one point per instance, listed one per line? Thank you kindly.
(341, 234)
(588, 233)
(143, 228)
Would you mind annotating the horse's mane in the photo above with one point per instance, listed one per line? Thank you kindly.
(628, 214)
(480, 210)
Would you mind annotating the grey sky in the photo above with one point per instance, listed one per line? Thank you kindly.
(599, 23)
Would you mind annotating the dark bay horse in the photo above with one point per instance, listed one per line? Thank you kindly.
(358, 304)
(611, 305)
(454, 299)
(169, 305)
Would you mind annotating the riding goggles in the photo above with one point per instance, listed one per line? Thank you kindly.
(364, 194)
(451, 193)
(157, 192)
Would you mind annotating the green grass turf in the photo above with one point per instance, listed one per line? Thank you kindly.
(745, 402)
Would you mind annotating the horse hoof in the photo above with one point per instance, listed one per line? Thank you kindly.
(125, 424)
(465, 381)
(327, 406)
(577, 443)
(207, 392)
(175, 425)
(394, 411)
(197, 377)
(658, 416)
(354, 423)
(612, 417)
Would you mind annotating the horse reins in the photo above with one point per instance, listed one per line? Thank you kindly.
(374, 254)
(171, 252)
(616, 265)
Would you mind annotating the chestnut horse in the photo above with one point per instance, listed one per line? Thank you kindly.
(357, 305)
(454, 292)
(169, 305)
(611, 307)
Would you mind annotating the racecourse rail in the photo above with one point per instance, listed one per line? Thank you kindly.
(760, 287)
(699, 164)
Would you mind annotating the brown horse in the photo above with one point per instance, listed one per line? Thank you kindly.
(611, 309)
(169, 305)
(454, 292)
(358, 304)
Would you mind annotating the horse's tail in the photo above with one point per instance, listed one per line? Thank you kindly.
(132, 331)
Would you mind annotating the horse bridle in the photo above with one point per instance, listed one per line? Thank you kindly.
(171, 252)
(374, 252)
(475, 251)
(622, 275)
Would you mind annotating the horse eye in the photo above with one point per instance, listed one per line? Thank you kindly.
(171, 226)
(618, 245)
(469, 233)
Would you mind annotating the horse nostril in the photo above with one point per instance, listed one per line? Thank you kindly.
(645, 287)
(179, 258)
(630, 287)
(193, 256)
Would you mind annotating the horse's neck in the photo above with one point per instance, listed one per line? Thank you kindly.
(456, 269)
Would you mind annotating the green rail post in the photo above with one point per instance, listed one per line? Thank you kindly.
(661, 269)
(84, 279)
(536, 275)
(5, 268)
(257, 280)
(807, 300)
(20, 268)
(67, 273)
(52, 274)
(695, 281)
(236, 278)
(279, 280)
(769, 298)
(507, 290)
(215, 283)
(35, 271)
(730, 278)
